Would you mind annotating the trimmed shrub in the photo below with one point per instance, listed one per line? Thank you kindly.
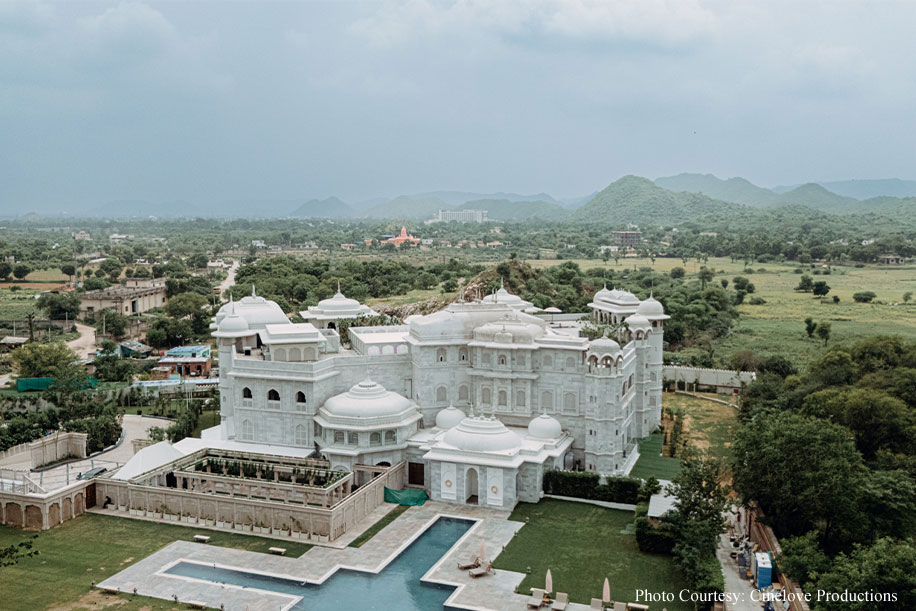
(654, 540)
(584, 485)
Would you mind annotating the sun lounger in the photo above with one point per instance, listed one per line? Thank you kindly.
(596, 604)
(473, 564)
(637, 607)
(561, 602)
(480, 571)
(537, 598)
(620, 606)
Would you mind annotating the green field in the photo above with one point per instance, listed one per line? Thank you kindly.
(710, 426)
(582, 545)
(91, 549)
(651, 463)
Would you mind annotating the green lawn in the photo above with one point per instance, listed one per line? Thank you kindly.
(711, 426)
(206, 420)
(376, 528)
(582, 544)
(92, 548)
(652, 463)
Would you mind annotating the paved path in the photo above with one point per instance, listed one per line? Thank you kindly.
(230, 278)
(84, 345)
(734, 583)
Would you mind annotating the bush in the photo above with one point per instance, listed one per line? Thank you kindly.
(654, 540)
(757, 301)
(864, 296)
(583, 485)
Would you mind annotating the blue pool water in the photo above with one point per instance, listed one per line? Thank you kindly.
(396, 587)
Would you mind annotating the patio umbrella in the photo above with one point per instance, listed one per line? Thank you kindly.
(483, 551)
(548, 583)
(606, 595)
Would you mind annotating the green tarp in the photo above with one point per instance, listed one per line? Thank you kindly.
(27, 384)
(405, 497)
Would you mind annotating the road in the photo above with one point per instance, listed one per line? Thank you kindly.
(230, 278)
(84, 345)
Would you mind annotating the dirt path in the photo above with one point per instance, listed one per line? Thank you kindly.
(230, 278)
(84, 345)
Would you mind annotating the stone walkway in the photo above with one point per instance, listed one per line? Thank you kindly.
(494, 592)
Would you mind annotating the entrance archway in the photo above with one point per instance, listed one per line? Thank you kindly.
(470, 486)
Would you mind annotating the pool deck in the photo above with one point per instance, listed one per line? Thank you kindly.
(494, 592)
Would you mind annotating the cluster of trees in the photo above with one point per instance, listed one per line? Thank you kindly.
(829, 455)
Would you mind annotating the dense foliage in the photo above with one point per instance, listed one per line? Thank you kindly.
(586, 485)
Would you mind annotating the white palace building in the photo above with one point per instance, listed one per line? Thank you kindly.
(479, 399)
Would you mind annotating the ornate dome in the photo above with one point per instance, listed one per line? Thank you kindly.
(338, 302)
(638, 321)
(545, 427)
(604, 345)
(508, 331)
(603, 295)
(626, 297)
(482, 434)
(367, 399)
(449, 418)
(650, 307)
(233, 323)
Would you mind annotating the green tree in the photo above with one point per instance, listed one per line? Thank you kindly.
(12, 554)
(69, 269)
(21, 270)
(109, 366)
(53, 360)
(705, 275)
(907, 296)
(112, 323)
(820, 288)
(805, 284)
(5, 270)
(810, 327)
(58, 306)
(885, 567)
(677, 272)
(823, 331)
(864, 296)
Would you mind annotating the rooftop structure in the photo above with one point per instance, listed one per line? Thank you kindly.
(402, 238)
(330, 311)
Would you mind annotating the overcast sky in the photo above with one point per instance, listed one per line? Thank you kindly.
(204, 101)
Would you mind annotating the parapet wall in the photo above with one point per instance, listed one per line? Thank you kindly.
(700, 376)
(49, 449)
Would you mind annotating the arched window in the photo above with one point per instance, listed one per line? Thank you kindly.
(462, 354)
(401, 349)
(547, 361)
(502, 398)
(301, 437)
(570, 363)
(391, 437)
(316, 430)
(246, 393)
(388, 349)
(295, 355)
(280, 354)
(440, 355)
(569, 402)
(375, 439)
(442, 395)
(593, 360)
(462, 393)
(273, 395)
(247, 429)
(352, 438)
(520, 398)
(547, 400)
(300, 397)
(485, 396)
(338, 437)
(502, 359)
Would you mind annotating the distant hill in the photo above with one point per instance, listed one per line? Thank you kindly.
(736, 190)
(329, 207)
(407, 208)
(505, 210)
(817, 197)
(865, 189)
(633, 199)
(457, 198)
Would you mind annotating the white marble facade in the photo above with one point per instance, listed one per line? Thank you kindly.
(481, 366)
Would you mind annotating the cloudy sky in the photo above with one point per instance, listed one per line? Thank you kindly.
(207, 101)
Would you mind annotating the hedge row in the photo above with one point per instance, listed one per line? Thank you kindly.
(583, 485)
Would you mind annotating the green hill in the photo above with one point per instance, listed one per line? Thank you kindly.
(736, 190)
(633, 199)
(817, 197)
(505, 210)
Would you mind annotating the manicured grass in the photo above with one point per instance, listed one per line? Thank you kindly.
(376, 528)
(652, 463)
(92, 548)
(582, 544)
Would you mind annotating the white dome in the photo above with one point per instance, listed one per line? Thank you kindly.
(233, 323)
(650, 307)
(626, 297)
(449, 418)
(338, 302)
(482, 434)
(259, 312)
(604, 345)
(602, 295)
(545, 427)
(367, 399)
(638, 321)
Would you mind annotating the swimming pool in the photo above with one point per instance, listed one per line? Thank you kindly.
(396, 586)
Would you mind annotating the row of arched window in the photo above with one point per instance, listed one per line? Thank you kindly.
(273, 395)
(247, 433)
(351, 438)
